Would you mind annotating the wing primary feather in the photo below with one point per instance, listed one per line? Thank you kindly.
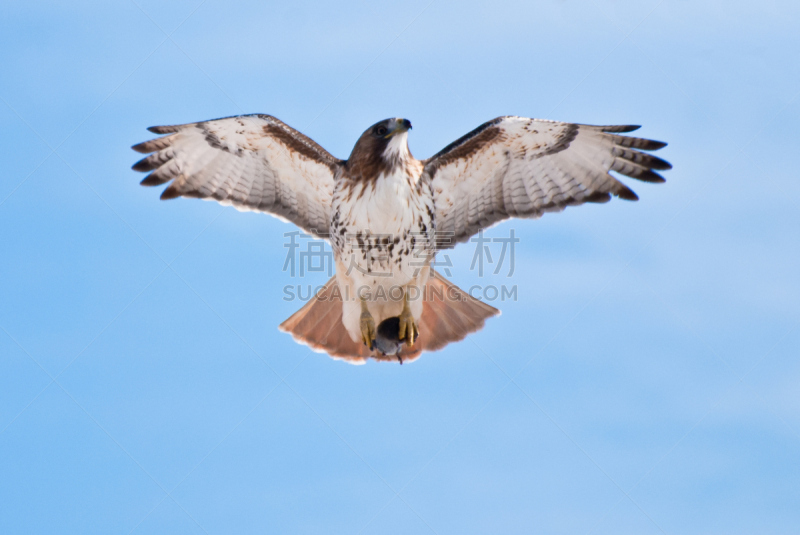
(170, 193)
(166, 129)
(637, 142)
(154, 145)
(144, 165)
(163, 174)
(620, 128)
(598, 197)
(650, 176)
(641, 158)
(154, 161)
(154, 180)
(624, 192)
(636, 171)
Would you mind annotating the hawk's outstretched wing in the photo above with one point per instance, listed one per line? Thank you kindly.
(253, 162)
(520, 167)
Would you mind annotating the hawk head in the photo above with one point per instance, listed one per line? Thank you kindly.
(380, 150)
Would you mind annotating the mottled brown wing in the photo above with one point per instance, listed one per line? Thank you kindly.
(520, 167)
(253, 162)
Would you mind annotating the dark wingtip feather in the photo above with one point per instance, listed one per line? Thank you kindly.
(622, 128)
(624, 192)
(170, 193)
(641, 158)
(143, 165)
(636, 142)
(154, 145)
(658, 163)
(151, 180)
(598, 197)
(650, 176)
(141, 147)
(166, 129)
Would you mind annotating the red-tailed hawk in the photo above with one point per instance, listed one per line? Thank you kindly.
(386, 214)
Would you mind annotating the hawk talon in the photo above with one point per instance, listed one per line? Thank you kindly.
(368, 331)
(408, 328)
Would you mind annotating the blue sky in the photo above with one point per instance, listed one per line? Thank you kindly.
(644, 382)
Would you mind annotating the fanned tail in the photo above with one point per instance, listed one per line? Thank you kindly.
(319, 325)
(449, 314)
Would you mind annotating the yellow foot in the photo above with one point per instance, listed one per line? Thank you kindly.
(408, 328)
(368, 330)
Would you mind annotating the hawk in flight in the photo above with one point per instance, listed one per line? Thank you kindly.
(386, 214)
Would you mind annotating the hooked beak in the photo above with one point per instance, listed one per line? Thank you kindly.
(400, 126)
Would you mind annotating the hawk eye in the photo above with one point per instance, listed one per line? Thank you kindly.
(381, 131)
